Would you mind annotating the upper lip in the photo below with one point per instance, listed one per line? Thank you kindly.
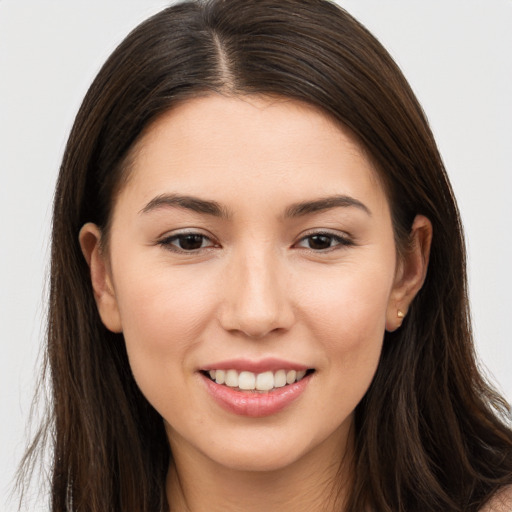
(259, 366)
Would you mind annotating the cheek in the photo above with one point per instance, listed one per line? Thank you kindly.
(163, 314)
(347, 314)
(349, 306)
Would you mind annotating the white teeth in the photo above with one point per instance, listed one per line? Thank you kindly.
(291, 376)
(264, 381)
(231, 378)
(249, 381)
(280, 379)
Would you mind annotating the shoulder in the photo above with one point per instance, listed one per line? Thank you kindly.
(500, 502)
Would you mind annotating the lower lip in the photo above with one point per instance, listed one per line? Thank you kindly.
(254, 404)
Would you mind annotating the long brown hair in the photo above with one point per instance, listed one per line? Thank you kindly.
(430, 433)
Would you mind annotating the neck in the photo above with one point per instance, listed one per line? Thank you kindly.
(317, 482)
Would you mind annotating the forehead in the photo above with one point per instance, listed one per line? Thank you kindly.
(268, 148)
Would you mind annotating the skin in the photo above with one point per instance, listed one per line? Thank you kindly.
(258, 287)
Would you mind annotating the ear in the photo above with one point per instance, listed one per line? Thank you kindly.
(104, 294)
(411, 272)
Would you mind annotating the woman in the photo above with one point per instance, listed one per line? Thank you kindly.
(258, 291)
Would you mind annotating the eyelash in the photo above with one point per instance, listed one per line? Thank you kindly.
(340, 242)
(167, 242)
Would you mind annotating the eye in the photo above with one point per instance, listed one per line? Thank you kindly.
(187, 242)
(323, 241)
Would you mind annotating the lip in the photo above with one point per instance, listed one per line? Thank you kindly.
(263, 365)
(253, 404)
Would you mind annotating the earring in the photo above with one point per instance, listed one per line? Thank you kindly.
(400, 313)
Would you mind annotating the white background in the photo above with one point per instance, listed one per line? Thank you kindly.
(455, 53)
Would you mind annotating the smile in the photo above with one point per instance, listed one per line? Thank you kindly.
(249, 381)
(264, 391)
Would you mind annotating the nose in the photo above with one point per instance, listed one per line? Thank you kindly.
(257, 299)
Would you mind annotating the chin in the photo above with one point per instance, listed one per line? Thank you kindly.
(274, 449)
(258, 460)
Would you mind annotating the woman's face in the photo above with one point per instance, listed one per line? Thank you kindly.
(253, 239)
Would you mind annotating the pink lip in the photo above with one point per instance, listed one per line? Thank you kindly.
(263, 365)
(252, 404)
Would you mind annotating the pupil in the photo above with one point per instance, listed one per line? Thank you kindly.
(319, 242)
(191, 242)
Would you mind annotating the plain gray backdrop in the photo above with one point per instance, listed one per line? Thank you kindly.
(455, 53)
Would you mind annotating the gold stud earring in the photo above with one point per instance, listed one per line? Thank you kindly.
(400, 313)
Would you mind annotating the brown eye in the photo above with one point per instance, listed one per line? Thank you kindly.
(320, 242)
(190, 242)
(323, 241)
(186, 242)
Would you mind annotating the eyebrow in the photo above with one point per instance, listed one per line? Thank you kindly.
(325, 203)
(189, 203)
(214, 209)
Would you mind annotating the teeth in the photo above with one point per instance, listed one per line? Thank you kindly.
(248, 381)
(291, 376)
(300, 374)
(231, 378)
(280, 379)
(220, 376)
(264, 381)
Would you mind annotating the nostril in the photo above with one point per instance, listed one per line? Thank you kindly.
(256, 302)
